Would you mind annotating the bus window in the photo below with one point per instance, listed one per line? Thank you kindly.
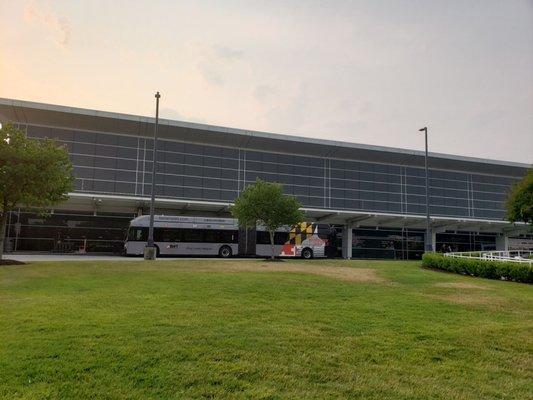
(228, 237)
(138, 234)
(281, 237)
(263, 237)
(166, 235)
(192, 235)
(211, 236)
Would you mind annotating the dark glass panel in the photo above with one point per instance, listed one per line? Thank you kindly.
(131, 153)
(127, 141)
(192, 235)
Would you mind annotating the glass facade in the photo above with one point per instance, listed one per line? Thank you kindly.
(108, 163)
(395, 244)
(465, 241)
(383, 243)
(66, 232)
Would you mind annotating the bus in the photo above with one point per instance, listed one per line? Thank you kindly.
(199, 236)
(177, 235)
(306, 240)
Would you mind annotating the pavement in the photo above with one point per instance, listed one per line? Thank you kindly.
(87, 257)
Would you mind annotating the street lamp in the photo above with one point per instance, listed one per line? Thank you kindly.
(150, 251)
(429, 239)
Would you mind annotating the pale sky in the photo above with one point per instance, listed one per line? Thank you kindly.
(366, 71)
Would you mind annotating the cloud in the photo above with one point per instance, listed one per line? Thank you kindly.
(216, 62)
(210, 73)
(171, 113)
(263, 92)
(226, 52)
(175, 115)
(57, 25)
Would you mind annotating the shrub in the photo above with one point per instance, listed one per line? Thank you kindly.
(517, 272)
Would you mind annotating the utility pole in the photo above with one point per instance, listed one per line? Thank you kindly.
(429, 238)
(150, 251)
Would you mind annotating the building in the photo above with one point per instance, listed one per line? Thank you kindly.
(376, 193)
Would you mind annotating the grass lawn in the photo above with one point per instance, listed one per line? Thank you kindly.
(179, 329)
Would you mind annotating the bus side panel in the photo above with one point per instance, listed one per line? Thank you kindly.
(264, 250)
(135, 248)
(181, 249)
(194, 249)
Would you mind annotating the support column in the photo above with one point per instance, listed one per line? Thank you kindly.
(502, 242)
(434, 240)
(347, 236)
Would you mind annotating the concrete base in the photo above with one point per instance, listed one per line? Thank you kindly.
(150, 253)
(430, 241)
(502, 243)
(347, 238)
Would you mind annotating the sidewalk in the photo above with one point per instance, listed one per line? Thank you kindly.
(88, 257)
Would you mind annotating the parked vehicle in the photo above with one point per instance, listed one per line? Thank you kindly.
(199, 236)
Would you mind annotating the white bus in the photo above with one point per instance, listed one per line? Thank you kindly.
(176, 235)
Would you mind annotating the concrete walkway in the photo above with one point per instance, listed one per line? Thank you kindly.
(85, 257)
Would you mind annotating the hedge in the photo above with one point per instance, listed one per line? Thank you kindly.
(509, 271)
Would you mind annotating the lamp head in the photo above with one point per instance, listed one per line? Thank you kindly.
(424, 129)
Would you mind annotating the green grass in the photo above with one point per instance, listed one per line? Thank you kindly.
(199, 329)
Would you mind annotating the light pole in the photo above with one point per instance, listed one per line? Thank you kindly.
(150, 251)
(429, 239)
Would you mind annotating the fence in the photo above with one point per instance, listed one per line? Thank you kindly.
(517, 256)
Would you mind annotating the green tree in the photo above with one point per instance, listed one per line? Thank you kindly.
(33, 174)
(520, 200)
(263, 203)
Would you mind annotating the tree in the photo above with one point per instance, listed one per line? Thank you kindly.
(33, 174)
(520, 200)
(265, 204)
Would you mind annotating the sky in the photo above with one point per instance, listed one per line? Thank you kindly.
(366, 71)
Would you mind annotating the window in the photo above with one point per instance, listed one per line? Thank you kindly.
(126, 164)
(220, 236)
(127, 141)
(211, 194)
(263, 237)
(212, 162)
(227, 163)
(39, 132)
(192, 235)
(102, 186)
(125, 176)
(107, 151)
(104, 174)
(138, 234)
(123, 152)
(166, 235)
(128, 188)
(85, 173)
(83, 148)
(281, 237)
(193, 149)
(86, 137)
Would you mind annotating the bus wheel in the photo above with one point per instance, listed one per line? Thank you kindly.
(307, 253)
(225, 252)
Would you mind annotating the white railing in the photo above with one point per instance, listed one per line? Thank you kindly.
(518, 256)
